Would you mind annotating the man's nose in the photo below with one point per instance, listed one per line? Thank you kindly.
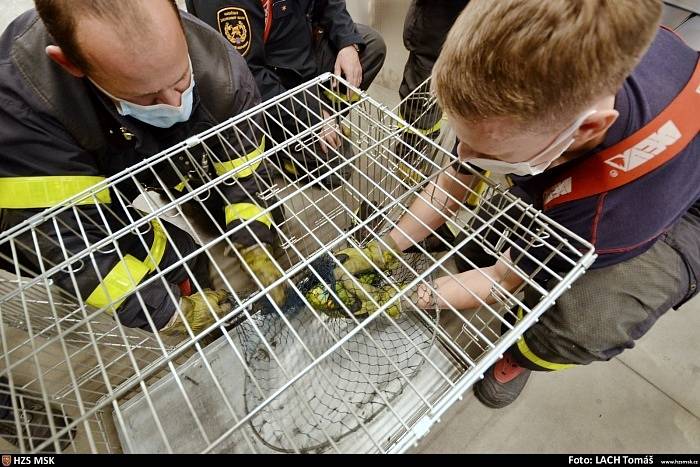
(171, 97)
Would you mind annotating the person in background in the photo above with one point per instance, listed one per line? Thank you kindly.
(424, 32)
(288, 42)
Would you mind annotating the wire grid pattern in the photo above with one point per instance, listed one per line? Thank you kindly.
(420, 109)
(309, 380)
(342, 389)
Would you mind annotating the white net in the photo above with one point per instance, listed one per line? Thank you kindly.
(346, 389)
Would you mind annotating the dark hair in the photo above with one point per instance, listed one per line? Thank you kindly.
(59, 17)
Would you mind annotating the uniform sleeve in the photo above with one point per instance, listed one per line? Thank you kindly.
(270, 84)
(40, 166)
(341, 28)
(241, 156)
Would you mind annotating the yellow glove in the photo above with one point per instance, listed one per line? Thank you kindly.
(364, 293)
(356, 297)
(257, 258)
(378, 254)
(197, 312)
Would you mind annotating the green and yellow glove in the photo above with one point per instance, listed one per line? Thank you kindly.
(260, 262)
(378, 254)
(358, 298)
(197, 311)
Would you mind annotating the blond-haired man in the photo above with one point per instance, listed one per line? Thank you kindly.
(588, 106)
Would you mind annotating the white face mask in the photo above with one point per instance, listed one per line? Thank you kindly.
(549, 154)
(158, 115)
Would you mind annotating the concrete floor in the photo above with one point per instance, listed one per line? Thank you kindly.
(646, 400)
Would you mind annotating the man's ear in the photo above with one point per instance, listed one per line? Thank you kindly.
(56, 54)
(595, 126)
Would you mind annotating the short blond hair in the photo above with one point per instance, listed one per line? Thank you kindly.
(540, 60)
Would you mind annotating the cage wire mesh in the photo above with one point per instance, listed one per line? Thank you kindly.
(354, 382)
(367, 371)
(422, 112)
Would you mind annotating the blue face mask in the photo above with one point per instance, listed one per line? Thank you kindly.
(158, 115)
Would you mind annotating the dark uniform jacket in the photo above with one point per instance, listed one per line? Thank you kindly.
(287, 59)
(59, 135)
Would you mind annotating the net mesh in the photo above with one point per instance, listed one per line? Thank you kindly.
(350, 387)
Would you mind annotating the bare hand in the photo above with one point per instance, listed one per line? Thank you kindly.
(329, 135)
(348, 64)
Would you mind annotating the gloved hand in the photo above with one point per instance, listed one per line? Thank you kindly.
(365, 293)
(257, 258)
(356, 297)
(382, 254)
(196, 311)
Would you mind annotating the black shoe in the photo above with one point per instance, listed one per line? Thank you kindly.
(502, 383)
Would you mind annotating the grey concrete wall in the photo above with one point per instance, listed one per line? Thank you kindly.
(9, 9)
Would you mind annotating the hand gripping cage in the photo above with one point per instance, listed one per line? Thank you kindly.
(264, 377)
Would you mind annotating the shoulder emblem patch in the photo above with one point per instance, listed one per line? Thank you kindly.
(234, 25)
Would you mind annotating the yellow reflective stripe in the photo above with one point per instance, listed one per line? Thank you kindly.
(182, 185)
(530, 355)
(290, 168)
(225, 167)
(247, 211)
(158, 248)
(46, 192)
(478, 191)
(128, 273)
(527, 353)
(435, 128)
(341, 98)
(120, 282)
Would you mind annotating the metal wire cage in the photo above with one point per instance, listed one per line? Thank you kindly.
(266, 377)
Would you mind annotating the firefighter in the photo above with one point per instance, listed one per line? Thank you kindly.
(591, 108)
(91, 87)
(288, 42)
(425, 29)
